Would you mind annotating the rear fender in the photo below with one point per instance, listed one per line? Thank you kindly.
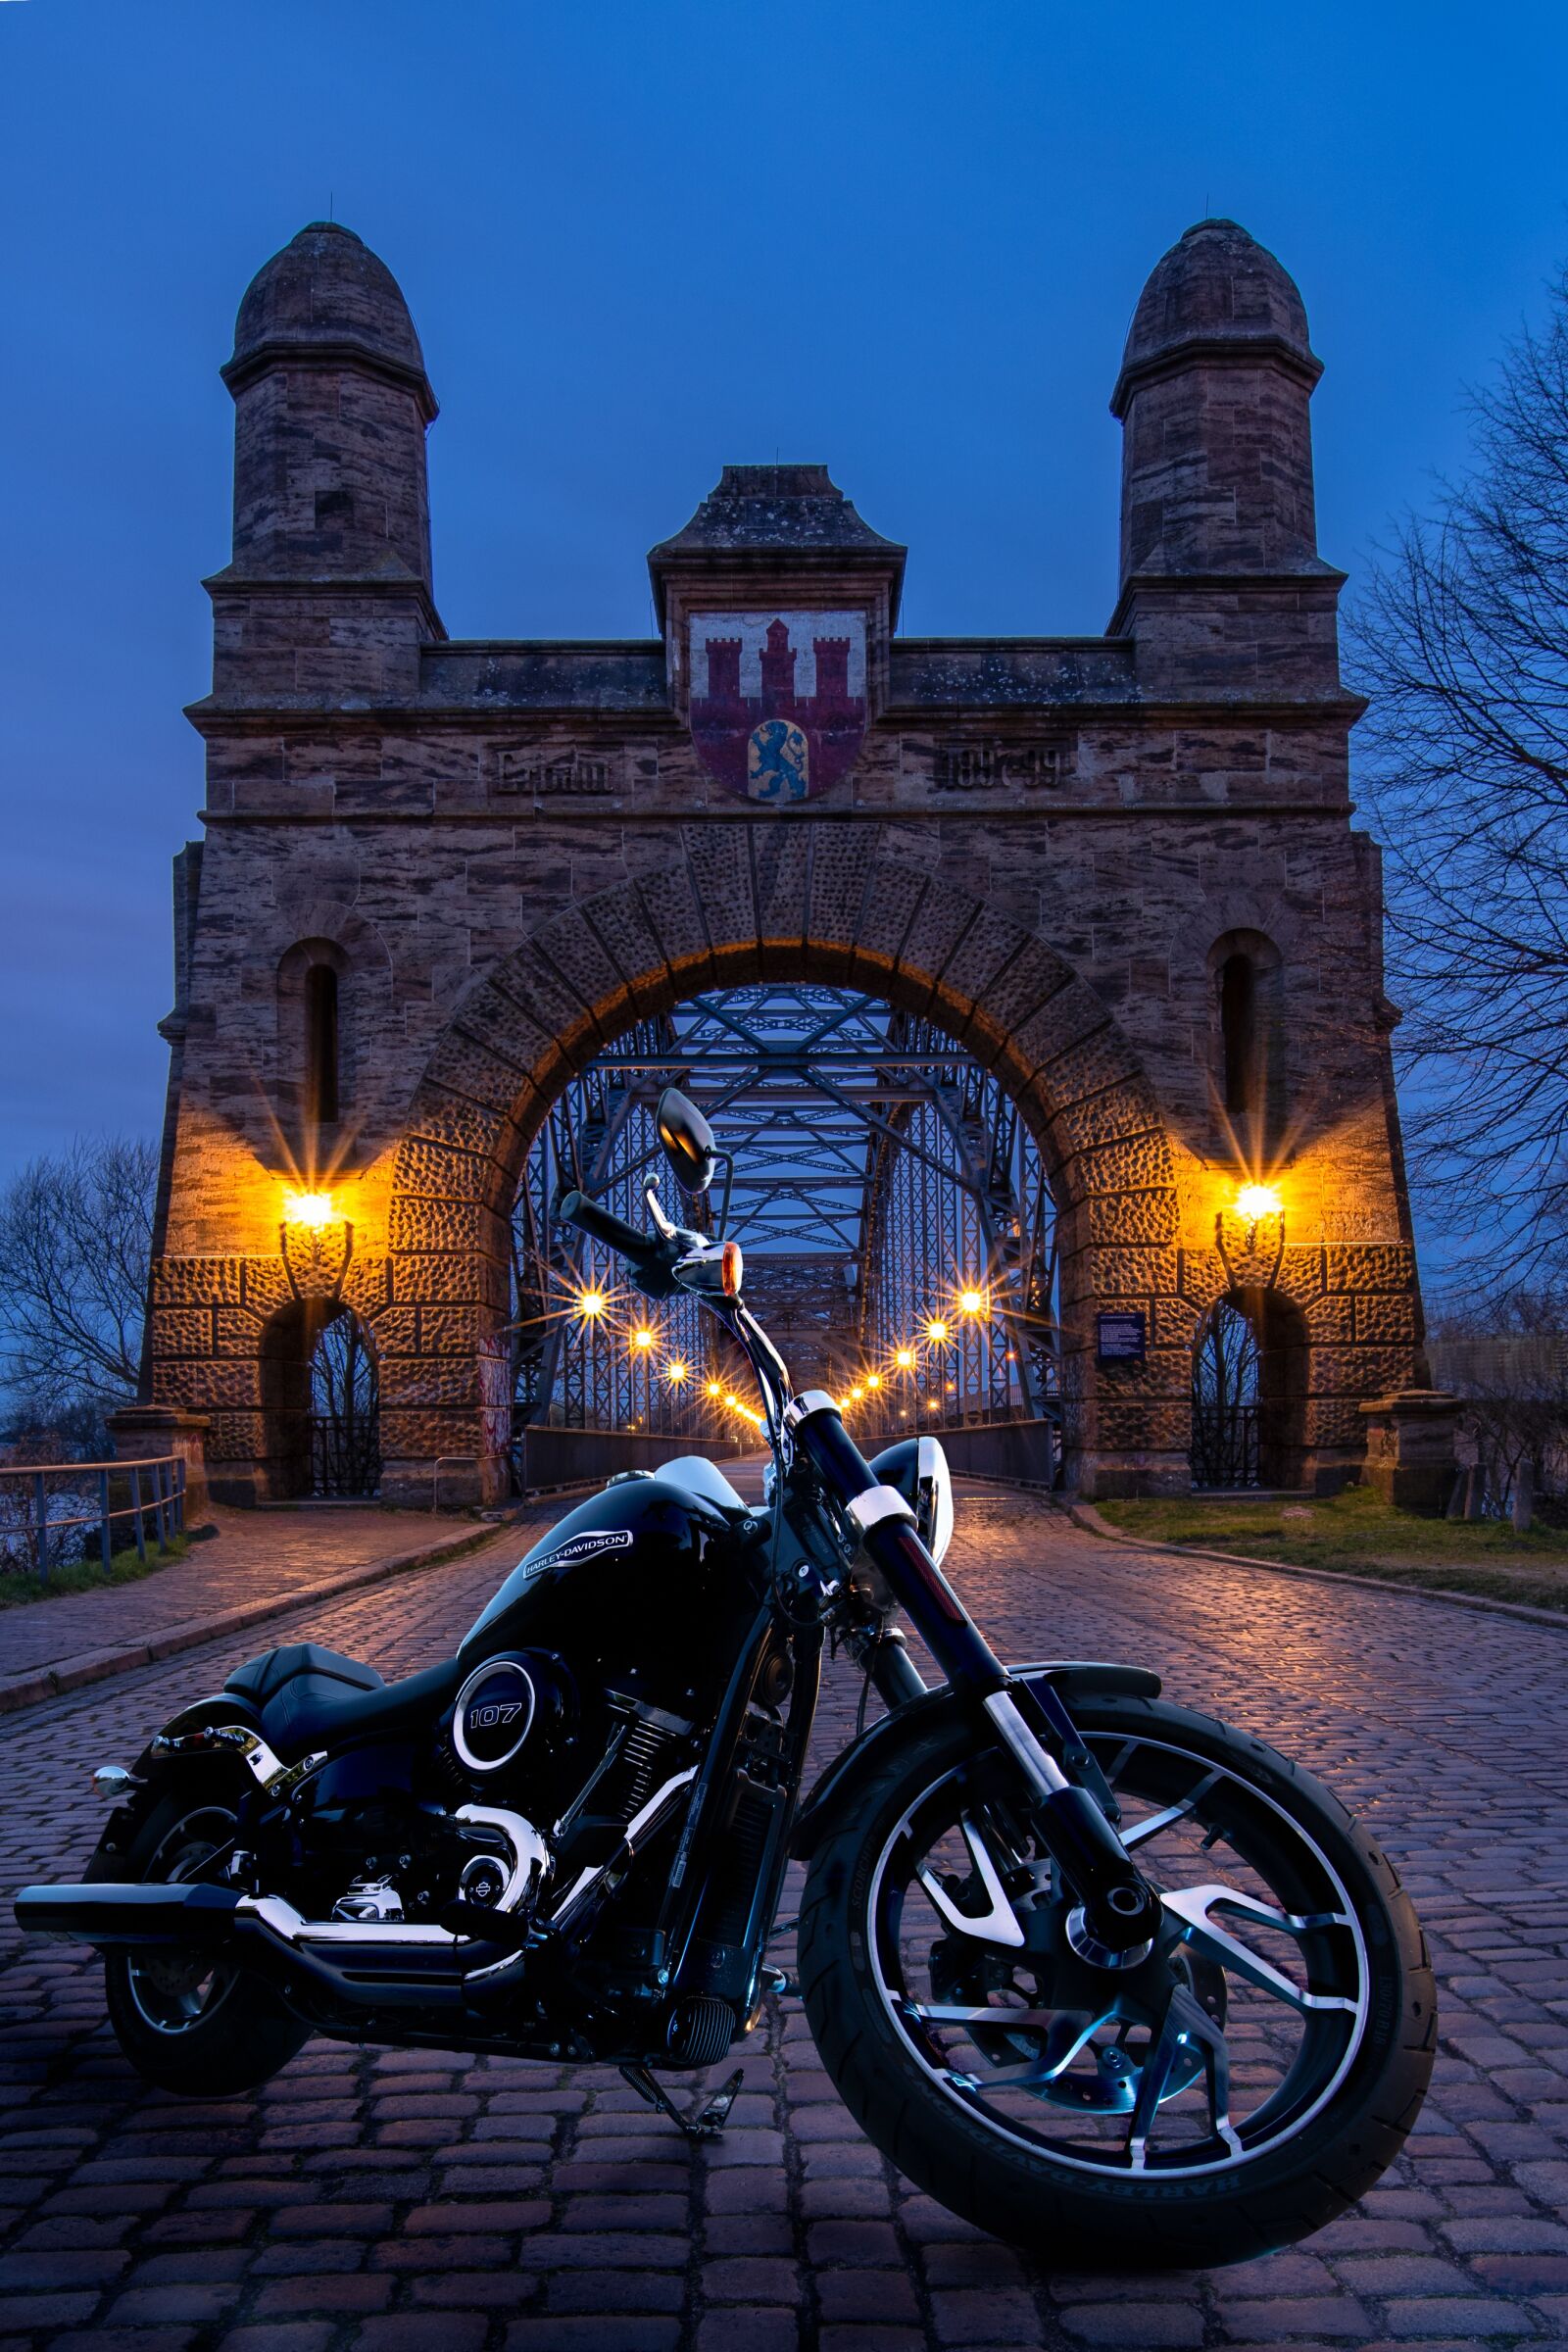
(202, 1715)
(838, 1788)
(154, 1775)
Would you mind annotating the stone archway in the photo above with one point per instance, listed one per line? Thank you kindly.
(800, 901)
(319, 1405)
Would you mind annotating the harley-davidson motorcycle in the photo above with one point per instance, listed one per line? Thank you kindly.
(1107, 1977)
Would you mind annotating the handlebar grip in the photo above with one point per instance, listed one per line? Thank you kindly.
(575, 1208)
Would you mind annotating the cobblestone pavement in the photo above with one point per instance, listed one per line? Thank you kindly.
(383, 2200)
(253, 1556)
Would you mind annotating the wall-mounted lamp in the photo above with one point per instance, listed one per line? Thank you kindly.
(317, 1245)
(1253, 1228)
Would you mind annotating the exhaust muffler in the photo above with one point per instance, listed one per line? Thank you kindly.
(131, 1914)
(353, 1964)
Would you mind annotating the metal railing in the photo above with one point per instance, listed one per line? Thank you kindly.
(37, 1538)
(1225, 1451)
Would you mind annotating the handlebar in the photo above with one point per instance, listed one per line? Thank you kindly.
(575, 1208)
(652, 1257)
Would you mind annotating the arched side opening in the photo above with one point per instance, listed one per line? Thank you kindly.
(321, 1046)
(321, 1402)
(315, 1059)
(1250, 1394)
(1246, 974)
(803, 906)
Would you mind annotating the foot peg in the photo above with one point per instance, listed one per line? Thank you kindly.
(707, 2123)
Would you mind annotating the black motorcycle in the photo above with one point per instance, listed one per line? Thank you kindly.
(1107, 1977)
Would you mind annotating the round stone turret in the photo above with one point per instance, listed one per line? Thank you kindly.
(332, 403)
(1212, 394)
(326, 290)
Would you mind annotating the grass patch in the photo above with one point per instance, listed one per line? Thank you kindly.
(1357, 1533)
(21, 1587)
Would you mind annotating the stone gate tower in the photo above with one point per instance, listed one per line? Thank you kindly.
(439, 877)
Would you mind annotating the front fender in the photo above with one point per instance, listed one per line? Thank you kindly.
(835, 1789)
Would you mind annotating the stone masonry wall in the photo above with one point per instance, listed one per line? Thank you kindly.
(507, 852)
(1068, 950)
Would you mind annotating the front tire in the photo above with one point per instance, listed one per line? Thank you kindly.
(189, 2023)
(1081, 2125)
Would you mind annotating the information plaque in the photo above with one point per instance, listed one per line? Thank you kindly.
(1121, 1338)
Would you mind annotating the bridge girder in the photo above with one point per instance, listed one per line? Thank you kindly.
(852, 1125)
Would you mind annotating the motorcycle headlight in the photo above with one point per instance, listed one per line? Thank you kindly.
(933, 1499)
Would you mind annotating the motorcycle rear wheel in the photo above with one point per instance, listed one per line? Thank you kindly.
(190, 2024)
(1101, 2122)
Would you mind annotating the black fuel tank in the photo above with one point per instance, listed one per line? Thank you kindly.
(639, 1588)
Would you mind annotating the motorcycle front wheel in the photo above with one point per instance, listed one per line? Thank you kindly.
(1230, 2089)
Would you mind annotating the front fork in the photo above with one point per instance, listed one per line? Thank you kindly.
(1121, 1910)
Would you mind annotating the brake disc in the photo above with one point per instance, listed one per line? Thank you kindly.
(964, 1974)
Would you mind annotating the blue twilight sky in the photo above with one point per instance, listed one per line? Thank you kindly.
(638, 240)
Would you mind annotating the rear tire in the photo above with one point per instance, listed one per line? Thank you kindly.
(977, 2144)
(199, 2030)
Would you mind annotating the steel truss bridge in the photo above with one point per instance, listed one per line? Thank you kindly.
(898, 1233)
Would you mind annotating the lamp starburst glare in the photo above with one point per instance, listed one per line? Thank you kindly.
(313, 1209)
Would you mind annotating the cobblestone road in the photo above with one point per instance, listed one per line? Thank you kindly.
(386, 2202)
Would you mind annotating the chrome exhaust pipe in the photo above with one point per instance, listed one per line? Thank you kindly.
(360, 1964)
(357, 1964)
(388, 1965)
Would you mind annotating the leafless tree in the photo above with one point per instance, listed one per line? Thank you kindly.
(345, 1410)
(1225, 1399)
(75, 1234)
(1508, 1359)
(1462, 642)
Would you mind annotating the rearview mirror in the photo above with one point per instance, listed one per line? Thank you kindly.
(688, 1140)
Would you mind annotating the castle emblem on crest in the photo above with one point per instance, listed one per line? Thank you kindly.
(778, 704)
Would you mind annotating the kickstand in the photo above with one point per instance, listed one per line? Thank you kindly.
(708, 2121)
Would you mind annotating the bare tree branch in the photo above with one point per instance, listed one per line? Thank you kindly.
(1461, 640)
(76, 1236)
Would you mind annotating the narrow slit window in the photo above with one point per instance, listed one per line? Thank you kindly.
(1237, 1021)
(320, 1044)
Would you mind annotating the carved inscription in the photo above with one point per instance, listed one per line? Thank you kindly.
(582, 774)
(992, 765)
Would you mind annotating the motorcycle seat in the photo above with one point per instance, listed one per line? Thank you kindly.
(308, 1698)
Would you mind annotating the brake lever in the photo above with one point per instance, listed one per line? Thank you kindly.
(666, 1231)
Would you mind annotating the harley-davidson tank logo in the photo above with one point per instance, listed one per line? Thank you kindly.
(778, 704)
(581, 1547)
